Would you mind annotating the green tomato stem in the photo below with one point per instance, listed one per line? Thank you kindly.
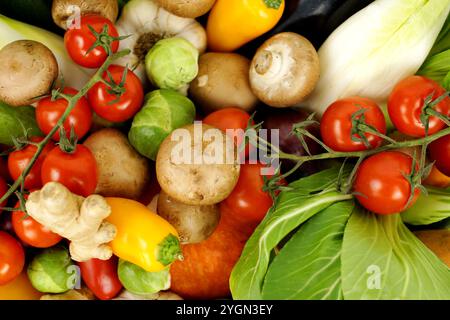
(72, 101)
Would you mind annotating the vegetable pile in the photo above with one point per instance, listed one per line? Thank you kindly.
(156, 151)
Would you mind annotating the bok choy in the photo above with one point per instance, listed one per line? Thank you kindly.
(375, 48)
(12, 30)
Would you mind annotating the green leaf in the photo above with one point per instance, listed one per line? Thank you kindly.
(309, 265)
(429, 208)
(293, 207)
(273, 4)
(382, 259)
(13, 121)
(138, 281)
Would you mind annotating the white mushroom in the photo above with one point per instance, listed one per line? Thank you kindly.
(187, 8)
(29, 70)
(62, 10)
(146, 23)
(284, 70)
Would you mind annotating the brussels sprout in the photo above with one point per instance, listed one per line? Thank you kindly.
(53, 271)
(172, 63)
(164, 111)
(138, 281)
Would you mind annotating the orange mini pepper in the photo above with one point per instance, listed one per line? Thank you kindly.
(233, 23)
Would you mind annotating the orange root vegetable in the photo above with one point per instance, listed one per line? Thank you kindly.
(205, 271)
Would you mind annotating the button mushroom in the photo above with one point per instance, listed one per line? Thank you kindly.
(284, 70)
(29, 70)
(187, 8)
(62, 10)
(147, 23)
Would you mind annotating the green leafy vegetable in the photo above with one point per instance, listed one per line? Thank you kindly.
(53, 271)
(307, 197)
(13, 121)
(382, 259)
(429, 208)
(309, 265)
(138, 281)
(164, 111)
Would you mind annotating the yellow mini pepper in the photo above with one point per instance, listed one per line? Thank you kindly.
(143, 237)
(233, 23)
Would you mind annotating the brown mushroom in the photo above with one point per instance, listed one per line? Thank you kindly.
(197, 165)
(193, 223)
(187, 8)
(222, 82)
(29, 70)
(62, 10)
(284, 70)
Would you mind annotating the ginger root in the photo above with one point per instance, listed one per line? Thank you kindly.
(79, 219)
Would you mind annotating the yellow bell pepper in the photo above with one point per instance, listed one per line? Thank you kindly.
(19, 289)
(143, 237)
(233, 23)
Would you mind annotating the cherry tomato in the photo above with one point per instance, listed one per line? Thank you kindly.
(406, 103)
(101, 277)
(437, 179)
(233, 121)
(381, 185)
(4, 173)
(48, 113)
(248, 201)
(336, 124)
(117, 108)
(18, 160)
(78, 41)
(77, 170)
(3, 190)
(12, 258)
(440, 152)
(32, 232)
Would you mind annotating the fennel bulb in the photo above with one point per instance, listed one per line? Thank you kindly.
(376, 48)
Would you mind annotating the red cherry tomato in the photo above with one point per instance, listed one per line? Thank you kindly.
(12, 258)
(117, 108)
(4, 173)
(101, 277)
(77, 171)
(18, 160)
(3, 190)
(48, 113)
(336, 124)
(78, 41)
(248, 201)
(439, 151)
(233, 121)
(381, 185)
(406, 103)
(32, 232)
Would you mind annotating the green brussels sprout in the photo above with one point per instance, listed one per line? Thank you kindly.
(172, 63)
(53, 271)
(138, 281)
(164, 111)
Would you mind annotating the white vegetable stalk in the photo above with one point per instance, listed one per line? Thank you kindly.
(376, 48)
(12, 30)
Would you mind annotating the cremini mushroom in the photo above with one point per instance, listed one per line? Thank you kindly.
(63, 10)
(29, 70)
(146, 23)
(284, 70)
(187, 8)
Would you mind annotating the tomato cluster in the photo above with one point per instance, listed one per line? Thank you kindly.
(385, 182)
(117, 99)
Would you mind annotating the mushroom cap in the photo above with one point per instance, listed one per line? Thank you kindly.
(187, 8)
(284, 70)
(29, 70)
(62, 10)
